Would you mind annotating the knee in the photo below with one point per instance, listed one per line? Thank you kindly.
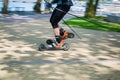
(53, 23)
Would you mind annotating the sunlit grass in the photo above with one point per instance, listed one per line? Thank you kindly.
(96, 23)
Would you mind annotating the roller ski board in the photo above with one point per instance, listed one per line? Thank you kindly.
(52, 45)
(43, 47)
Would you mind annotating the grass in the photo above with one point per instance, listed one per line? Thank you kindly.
(95, 23)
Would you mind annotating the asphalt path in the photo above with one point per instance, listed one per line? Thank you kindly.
(93, 56)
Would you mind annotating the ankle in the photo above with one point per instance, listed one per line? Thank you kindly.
(58, 38)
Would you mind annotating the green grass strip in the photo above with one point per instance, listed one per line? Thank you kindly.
(96, 23)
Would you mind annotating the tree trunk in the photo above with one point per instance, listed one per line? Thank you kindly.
(91, 8)
(37, 6)
(95, 6)
(5, 7)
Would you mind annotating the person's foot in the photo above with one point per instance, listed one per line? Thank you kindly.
(58, 38)
(57, 42)
(63, 33)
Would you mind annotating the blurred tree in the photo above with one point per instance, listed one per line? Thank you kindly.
(5, 7)
(37, 6)
(91, 8)
(47, 10)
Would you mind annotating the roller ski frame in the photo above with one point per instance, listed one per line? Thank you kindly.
(52, 45)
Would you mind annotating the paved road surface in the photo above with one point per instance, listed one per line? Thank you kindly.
(96, 56)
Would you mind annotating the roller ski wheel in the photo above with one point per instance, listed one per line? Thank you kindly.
(66, 47)
(42, 47)
(70, 35)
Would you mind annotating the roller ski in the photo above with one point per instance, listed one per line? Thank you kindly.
(57, 44)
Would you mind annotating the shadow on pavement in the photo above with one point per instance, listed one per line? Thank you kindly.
(93, 57)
